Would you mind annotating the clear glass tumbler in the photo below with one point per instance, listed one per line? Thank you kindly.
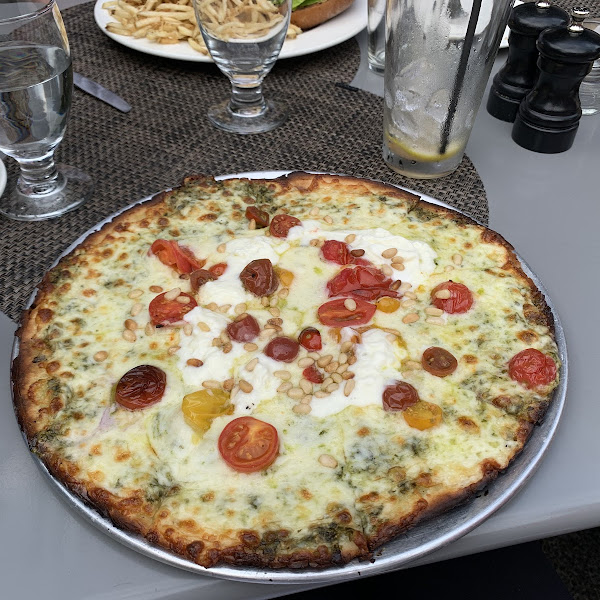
(36, 86)
(244, 38)
(376, 35)
(439, 55)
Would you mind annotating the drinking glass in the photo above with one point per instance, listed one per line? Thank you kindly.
(36, 85)
(244, 38)
(376, 35)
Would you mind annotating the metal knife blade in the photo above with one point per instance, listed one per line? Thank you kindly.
(95, 89)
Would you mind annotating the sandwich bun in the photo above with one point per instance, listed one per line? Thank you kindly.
(315, 14)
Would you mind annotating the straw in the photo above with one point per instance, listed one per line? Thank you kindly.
(460, 73)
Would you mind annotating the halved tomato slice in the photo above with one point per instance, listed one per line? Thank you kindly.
(165, 312)
(336, 314)
(180, 258)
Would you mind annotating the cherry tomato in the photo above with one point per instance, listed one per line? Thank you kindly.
(339, 253)
(313, 374)
(282, 348)
(199, 277)
(140, 387)
(259, 278)
(367, 283)
(201, 408)
(310, 338)
(165, 312)
(335, 314)
(460, 300)
(438, 362)
(281, 224)
(423, 415)
(218, 269)
(532, 368)
(261, 217)
(399, 396)
(243, 330)
(248, 445)
(388, 305)
(180, 258)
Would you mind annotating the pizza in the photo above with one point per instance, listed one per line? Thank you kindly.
(283, 373)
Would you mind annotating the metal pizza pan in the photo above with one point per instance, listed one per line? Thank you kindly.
(428, 536)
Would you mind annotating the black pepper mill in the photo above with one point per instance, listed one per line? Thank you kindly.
(548, 117)
(520, 72)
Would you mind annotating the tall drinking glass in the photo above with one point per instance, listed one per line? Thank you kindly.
(439, 54)
(244, 38)
(36, 85)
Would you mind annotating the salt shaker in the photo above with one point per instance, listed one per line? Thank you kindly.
(549, 116)
(520, 72)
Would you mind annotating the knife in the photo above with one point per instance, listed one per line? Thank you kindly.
(96, 90)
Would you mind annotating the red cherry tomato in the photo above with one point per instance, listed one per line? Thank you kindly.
(282, 348)
(335, 314)
(261, 217)
(439, 362)
(281, 224)
(340, 253)
(310, 338)
(199, 277)
(313, 374)
(367, 283)
(532, 368)
(399, 396)
(243, 330)
(177, 257)
(259, 278)
(460, 301)
(165, 312)
(218, 269)
(140, 387)
(248, 445)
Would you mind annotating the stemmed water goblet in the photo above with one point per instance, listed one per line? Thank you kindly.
(244, 38)
(36, 86)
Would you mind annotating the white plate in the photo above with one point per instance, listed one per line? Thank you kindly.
(2, 177)
(504, 40)
(333, 32)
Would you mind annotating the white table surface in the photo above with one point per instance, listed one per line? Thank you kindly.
(548, 207)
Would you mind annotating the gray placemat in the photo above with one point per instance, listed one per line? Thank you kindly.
(167, 136)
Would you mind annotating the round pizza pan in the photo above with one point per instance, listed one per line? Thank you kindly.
(428, 536)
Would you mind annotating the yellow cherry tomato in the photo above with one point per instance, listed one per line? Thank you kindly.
(286, 277)
(388, 305)
(201, 407)
(423, 415)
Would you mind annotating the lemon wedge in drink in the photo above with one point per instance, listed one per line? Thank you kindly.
(423, 155)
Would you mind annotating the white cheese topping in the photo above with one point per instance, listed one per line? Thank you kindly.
(418, 256)
(376, 367)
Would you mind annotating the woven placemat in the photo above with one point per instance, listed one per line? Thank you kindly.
(167, 136)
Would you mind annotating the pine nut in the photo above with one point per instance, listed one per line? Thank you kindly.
(227, 348)
(275, 312)
(284, 387)
(448, 268)
(348, 375)
(396, 285)
(250, 347)
(350, 304)
(325, 360)
(321, 394)
(183, 299)
(389, 253)
(203, 326)
(283, 292)
(305, 362)
(228, 384)
(328, 219)
(136, 309)
(266, 333)
(434, 311)
(314, 355)
(313, 242)
(349, 238)
(435, 320)
(135, 293)
(295, 393)
(274, 300)
(252, 224)
(404, 287)
(234, 390)
(457, 259)
(302, 409)
(245, 386)
(172, 294)
(332, 387)
(129, 336)
(224, 308)
(358, 252)
(306, 386)
(130, 324)
(187, 329)
(218, 342)
(411, 295)
(275, 321)
(337, 378)
(212, 306)
(314, 211)
(326, 382)
(156, 289)
(342, 358)
(264, 301)
(413, 365)
(211, 384)
(410, 318)
(328, 461)
(224, 336)
(342, 368)
(352, 360)
(172, 350)
(284, 375)
(100, 356)
(332, 366)
(398, 266)
(221, 248)
(349, 387)
(240, 308)
(250, 366)
(194, 362)
(346, 346)
(398, 259)
(306, 399)
(387, 270)
(443, 294)
(149, 329)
